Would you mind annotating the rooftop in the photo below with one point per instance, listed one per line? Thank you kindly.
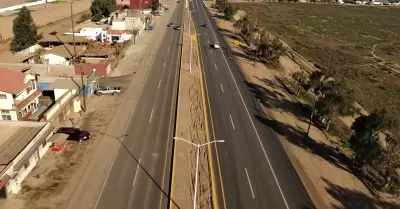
(115, 32)
(12, 81)
(66, 50)
(98, 52)
(64, 83)
(15, 136)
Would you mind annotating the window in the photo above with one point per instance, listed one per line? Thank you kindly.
(33, 85)
(6, 117)
(5, 112)
(3, 96)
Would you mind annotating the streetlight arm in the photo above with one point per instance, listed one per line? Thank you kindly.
(216, 141)
(177, 138)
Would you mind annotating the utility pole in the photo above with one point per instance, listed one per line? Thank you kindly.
(73, 30)
(83, 92)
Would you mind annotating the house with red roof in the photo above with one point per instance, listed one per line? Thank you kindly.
(19, 95)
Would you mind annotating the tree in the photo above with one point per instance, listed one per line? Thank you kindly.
(102, 8)
(390, 159)
(25, 31)
(135, 34)
(365, 140)
(301, 79)
(229, 11)
(271, 50)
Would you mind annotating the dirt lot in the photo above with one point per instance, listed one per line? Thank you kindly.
(344, 41)
(190, 126)
(8, 3)
(325, 171)
(43, 14)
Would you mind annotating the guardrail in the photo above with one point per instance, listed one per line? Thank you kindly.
(15, 7)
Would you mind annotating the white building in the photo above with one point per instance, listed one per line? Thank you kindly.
(61, 55)
(117, 36)
(94, 34)
(22, 144)
(19, 95)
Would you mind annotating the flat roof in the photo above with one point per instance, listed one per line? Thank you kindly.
(65, 83)
(15, 136)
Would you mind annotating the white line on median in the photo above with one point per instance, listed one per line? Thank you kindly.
(159, 83)
(164, 62)
(233, 125)
(248, 114)
(137, 169)
(151, 115)
(222, 90)
(216, 66)
(248, 179)
(168, 48)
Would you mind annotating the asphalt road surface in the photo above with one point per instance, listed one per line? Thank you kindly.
(139, 176)
(255, 170)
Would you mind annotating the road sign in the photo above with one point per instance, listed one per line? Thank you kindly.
(194, 38)
(237, 42)
(222, 22)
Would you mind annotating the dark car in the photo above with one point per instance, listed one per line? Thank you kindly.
(170, 25)
(177, 27)
(205, 25)
(75, 134)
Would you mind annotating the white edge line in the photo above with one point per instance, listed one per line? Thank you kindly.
(168, 48)
(159, 83)
(222, 88)
(233, 125)
(137, 169)
(151, 114)
(216, 66)
(164, 62)
(248, 114)
(251, 188)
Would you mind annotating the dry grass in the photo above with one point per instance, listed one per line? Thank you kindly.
(357, 44)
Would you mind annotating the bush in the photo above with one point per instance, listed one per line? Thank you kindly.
(85, 16)
(25, 31)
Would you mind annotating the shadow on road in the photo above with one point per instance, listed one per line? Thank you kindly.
(165, 194)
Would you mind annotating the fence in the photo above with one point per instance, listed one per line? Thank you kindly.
(15, 7)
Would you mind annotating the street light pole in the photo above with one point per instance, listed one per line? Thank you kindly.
(197, 164)
(191, 40)
(73, 30)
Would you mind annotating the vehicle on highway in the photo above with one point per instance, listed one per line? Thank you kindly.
(216, 45)
(177, 27)
(108, 90)
(170, 25)
(205, 25)
(149, 28)
(75, 134)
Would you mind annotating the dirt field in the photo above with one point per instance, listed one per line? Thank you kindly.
(344, 41)
(43, 15)
(324, 169)
(8, 3)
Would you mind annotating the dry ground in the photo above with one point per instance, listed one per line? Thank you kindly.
(190, 126)
(356, 44)
(323, 168)
(43, 15)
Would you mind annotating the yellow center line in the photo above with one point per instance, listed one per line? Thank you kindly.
(214, 191)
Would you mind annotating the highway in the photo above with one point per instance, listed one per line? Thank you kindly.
(139, 176)
(252, 169)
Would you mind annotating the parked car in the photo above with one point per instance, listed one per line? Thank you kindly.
(149, 28)
(177, 27)
(108, 90)
(170, 25)
(75, 134)
(216, 45)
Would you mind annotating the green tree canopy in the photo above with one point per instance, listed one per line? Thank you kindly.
(100, 8)
(25, 31)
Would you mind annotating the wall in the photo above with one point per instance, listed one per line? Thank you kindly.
(118, 25)
(59, 93)
(140, 4)
(102, 69)
(15, 7)
(6, 104)
(52, 112)
(42, 69)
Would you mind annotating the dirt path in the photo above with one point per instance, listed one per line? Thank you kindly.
(190, 126)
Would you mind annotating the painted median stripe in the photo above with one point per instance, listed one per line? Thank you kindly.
(151, 115)
(222, 88)
(137, 169)
(251, 187)
(233, 125)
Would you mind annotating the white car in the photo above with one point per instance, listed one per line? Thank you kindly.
(216, 45)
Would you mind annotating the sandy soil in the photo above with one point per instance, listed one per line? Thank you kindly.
(8, 3)
(190, 126)
(43, 15)
(318, 161)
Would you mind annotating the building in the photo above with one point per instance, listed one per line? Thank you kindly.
(134, 4)
(22, 144)
(61, 55)
(18, 95)
(117, 36)
(94, 34)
